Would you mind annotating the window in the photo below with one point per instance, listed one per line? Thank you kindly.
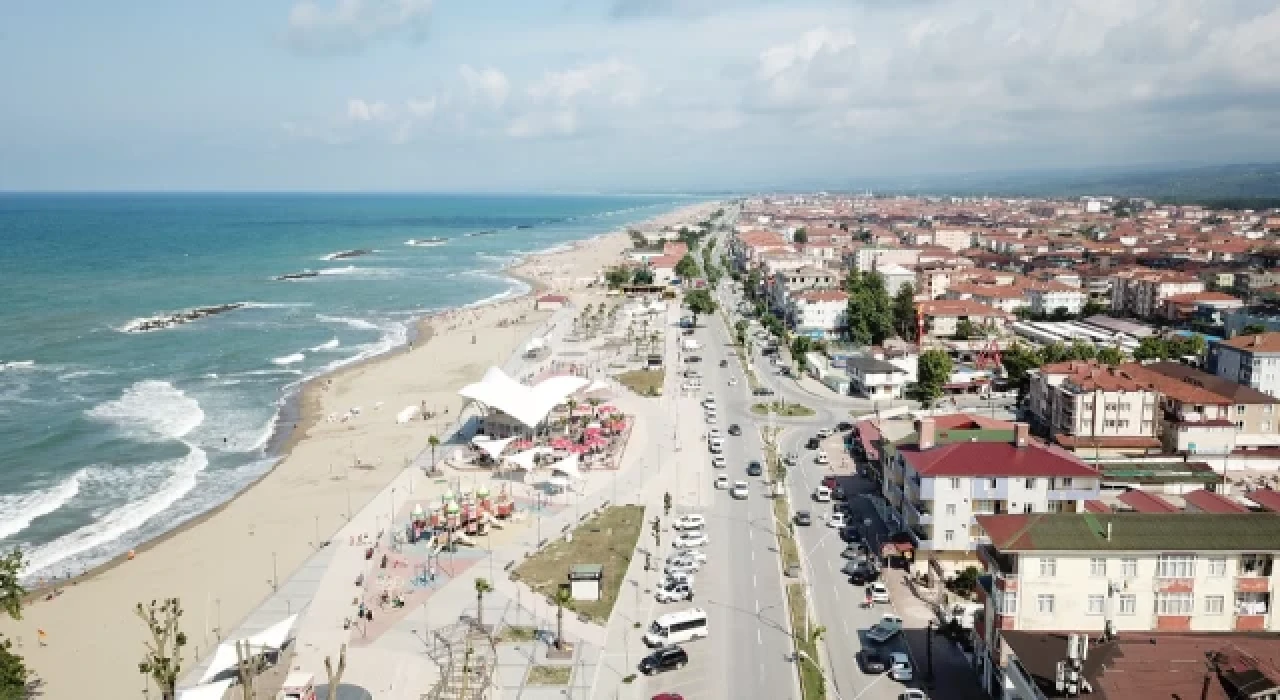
(1044, 604)
(1174, 603)
(1028, 508)
(1128, 604)
(955, 483)
(1096, 603)
(1097, 566)
(1176, 566)
(991, 483)
(1066, 482)
(949, 536)
(1129, 568)
(1218, 566)
(1048, 567)
(1239, 408)
(1215, 604)
(1007, 603)
(1031, 483)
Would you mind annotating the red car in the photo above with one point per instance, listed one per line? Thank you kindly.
(668, 696)
(829, 481)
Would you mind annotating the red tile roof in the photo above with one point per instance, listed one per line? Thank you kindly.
(978, 459)
(969, 421)
(1097, 507)
(1265, 342)
(1210, 502)
(1117, 442)
(960, 307)
(824, 295)
(1144, 502)
(1190, 297)
(1267, 498)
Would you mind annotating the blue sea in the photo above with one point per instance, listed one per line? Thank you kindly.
(110, 437)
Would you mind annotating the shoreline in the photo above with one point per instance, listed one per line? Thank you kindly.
(217, 562)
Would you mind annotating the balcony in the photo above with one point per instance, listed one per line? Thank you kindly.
(1073, 494)
(918, 513)
(982, 490)
(919, 540)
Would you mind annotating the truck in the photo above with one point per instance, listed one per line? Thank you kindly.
(887, 628)
(961, 614)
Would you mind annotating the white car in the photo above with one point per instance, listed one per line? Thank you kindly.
(912, 694)
(713, 434)
(678, 577)
(711, 419)
(820, 458)
(822, 494)
(879, 593)
(722, 480)
(733, 381)
(693, 554)
(689, 540)
(900, 667)
(836, 520)
(739, 490)
(709, 399)
(692, 521)
(673, 593)
(687, 566)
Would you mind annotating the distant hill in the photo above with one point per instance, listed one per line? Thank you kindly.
(1241, 186)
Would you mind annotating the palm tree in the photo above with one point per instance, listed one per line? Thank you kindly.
(563, 598)
(434, 442)
(482, 587)
(595, 403)
(572, 405)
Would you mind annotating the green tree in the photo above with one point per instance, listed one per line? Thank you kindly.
(434, 442)
(1253, 329)
(687, 267)
(1153, 348)
(482, 587)
(934, 371)
(904, 311)
(163, 661)
(801, 236)
(699, 303)
(965, 329)
(13, 669)
(1081, 350)
(617, 276)
(642, 275)
(740, 331)
(1017, 360)
(1054, 352)
(563, 598)
(752, 287)
(879, 309)
(800, 345)
(1110, 355)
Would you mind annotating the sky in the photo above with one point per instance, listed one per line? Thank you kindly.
(621, 95)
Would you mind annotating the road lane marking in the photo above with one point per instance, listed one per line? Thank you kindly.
(753, 580)
(759, 639)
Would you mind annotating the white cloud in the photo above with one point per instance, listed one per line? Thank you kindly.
(422, 109)
(361, 111)
(346, 26)
(812, 70)
(488, 84)
(563, 122)
(621, 83)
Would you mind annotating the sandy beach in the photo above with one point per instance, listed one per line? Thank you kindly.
(225, 563)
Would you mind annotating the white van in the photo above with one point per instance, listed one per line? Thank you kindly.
(677, 628)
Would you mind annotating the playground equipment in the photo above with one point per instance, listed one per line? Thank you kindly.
(456, 518)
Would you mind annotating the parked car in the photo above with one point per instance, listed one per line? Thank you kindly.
(694, 554)
(791, 459)
(836, 520)
(802, 517)
(829, 481)
(900, 667)
(824, 433)
(678, 577)
(734, 429)
(813, 443)
(822, 494)
(872, 662)
(838, 494)
(820, 458)
(763, 391)
(724, 363)
(739, 490)
(878, 592)
(908, 694)
(754, 468)
(717, 461)
(673, 593)
(722, 481)
(687, 566)
(692, 521)
(843, 426)
(887, 628)
(850, 533)
(665, 659)
(689, 540)
(693, 358)
(854, 552)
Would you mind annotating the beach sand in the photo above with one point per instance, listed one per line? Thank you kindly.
(223, 564)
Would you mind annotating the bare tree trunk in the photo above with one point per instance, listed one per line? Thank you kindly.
(335, 677)
(246, 667)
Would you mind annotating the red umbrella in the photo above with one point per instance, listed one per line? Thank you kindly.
(607, 408)
(561, 443)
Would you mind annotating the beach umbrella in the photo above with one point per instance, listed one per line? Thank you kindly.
(483, 492)
(448, 496)
(417, 513)
(608, 408)
(561, 443)
(451, 508)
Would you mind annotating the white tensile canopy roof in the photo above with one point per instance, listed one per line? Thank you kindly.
(272, 638)
(208, 691)
(493, 448)
(567, 466)
(527, 404)
(597, 386)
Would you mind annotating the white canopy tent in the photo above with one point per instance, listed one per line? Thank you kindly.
(524, 460)
(225, 659)
(276, 636)
(597, 387)
(568, 466)
(208, 691)
(272, 638)
(527, 404)
(493, 448)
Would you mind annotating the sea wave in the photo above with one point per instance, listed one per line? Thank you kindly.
(516, 289)
(348, 254)
(356, 272)
(124, 519)
(356, 323)
(151, 409)
(18, 511)
(276, 304)
(17, 364)
(289, 359)
(327, 345)
(82, 373)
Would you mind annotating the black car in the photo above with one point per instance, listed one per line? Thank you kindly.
(693, 358)
(803, 518)
(872, 661)
(754, 469)
(850, 533)
(813, 443)
(838, 493)
(859, 578)
(664, 659)
(724, 363)
(762, 391)
(843, 426)
(852, 552)
(734, 429)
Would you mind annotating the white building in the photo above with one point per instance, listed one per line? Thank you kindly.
(1090, 399)
(820, 314)
(869, 258)
(1049, 297)
(895, 276)
(1183, 572)
(953, 472)
(1251, 360)
(875, 379)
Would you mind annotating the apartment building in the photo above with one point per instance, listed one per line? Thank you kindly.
(785, 285)
(954, 239)
(875, 379)
(1251, 360)
(1118, 572)
(1184, 307)
(1048, 297)
(1141, 292)
(819, 314)
(1201, 413)
(896, 277)
(868, 258)
(1003, 297)
(1091, 399)
(957, 468)
(942, 316)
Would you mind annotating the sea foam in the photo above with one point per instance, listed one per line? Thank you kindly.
(151, 410)
(18, 511)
